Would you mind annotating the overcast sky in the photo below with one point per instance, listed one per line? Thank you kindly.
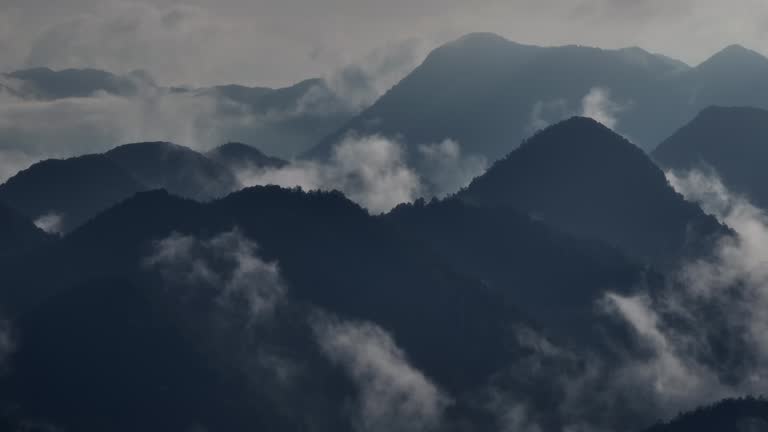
(277, 42)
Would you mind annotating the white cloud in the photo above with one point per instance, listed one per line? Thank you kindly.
(374, 172)
(446, 170)
(226, 264)
(50, 223)
(393, 395)
(597, 104)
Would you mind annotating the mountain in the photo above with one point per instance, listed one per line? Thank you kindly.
(552, 277)
(47, 84)
(18, 234)
(135, 342)
(489, 93)
(70, 190)
(585, 179)
(177, 169)
(737, 415)
(242, 157)
(732, 141)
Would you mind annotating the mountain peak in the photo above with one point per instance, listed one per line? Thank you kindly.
(734, 56)
(592, 136)
(737, 50)
(585, 179)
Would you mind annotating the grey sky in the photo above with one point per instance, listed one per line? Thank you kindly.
(277, 42)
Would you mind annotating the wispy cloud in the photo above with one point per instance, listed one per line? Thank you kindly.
(392, 394)
(50, 223)
(226, 264)
(597, 104)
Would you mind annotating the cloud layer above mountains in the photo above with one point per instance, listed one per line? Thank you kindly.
(270, 42)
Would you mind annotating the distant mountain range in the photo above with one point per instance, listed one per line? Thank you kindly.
(731, 141)
(489, 93)
(481, 90)
(285, 121)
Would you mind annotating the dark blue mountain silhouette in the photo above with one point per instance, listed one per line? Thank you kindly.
(589, 181)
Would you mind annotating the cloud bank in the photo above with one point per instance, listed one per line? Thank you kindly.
(376, 172)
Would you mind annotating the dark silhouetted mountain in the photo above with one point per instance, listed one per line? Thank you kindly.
(177, 169)
(323, 244)
(731, 141)
(552, 277)
(730, 415)
(587, 180)
(73, 190)
(238, 156)
(44, 83)
(488, 93)
(18, 234)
